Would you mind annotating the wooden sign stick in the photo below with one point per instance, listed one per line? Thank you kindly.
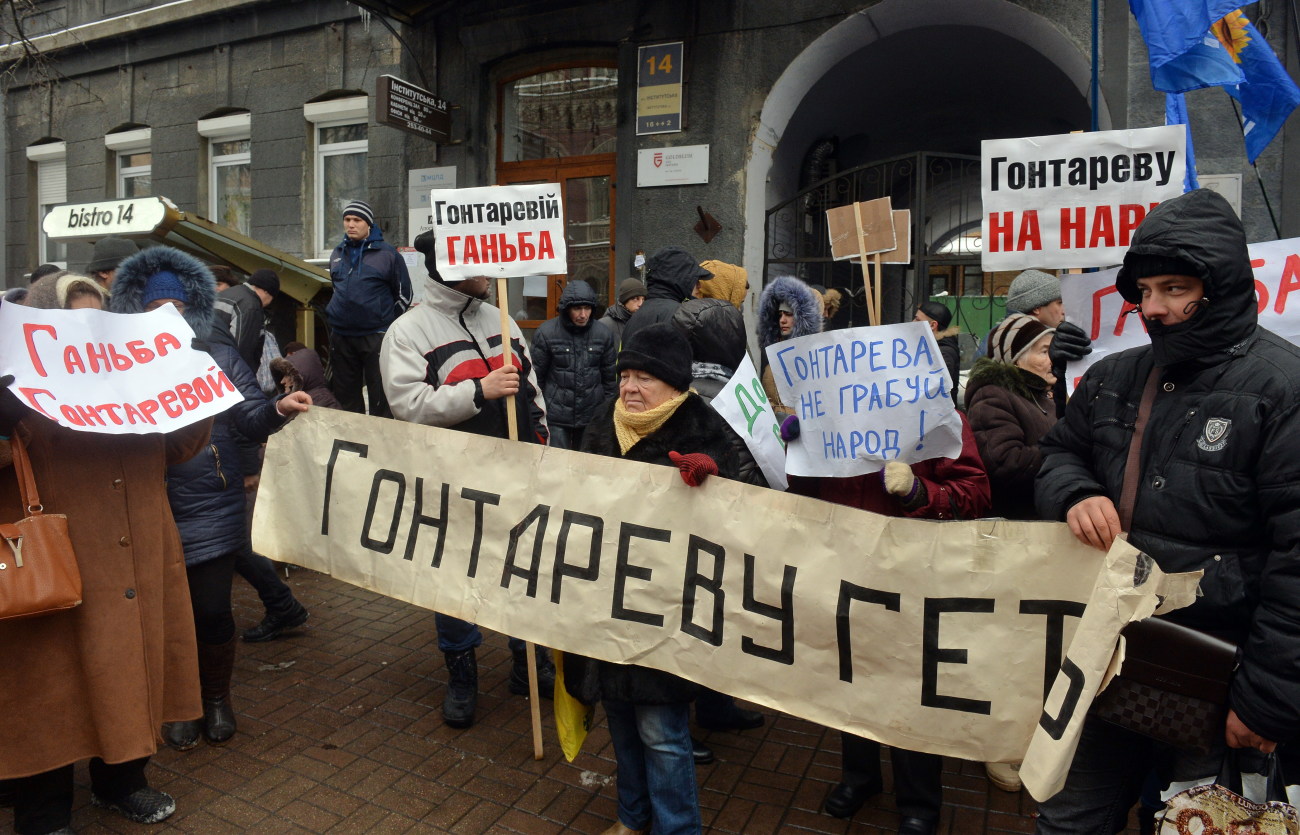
(872, 316)
(507, 359)
(879, 280)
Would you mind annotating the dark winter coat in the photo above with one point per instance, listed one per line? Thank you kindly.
(371, 286)
(694, 427)
(950, 350)
(670, 281)
(240, 309)
(206, 492)
(715, 330)
(615, 318)
(1010, 411)
(1219, 489)
(575, 365)
(305, 373)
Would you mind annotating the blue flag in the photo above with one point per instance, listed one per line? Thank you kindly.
(1176, 114)
(1182, 52)
(1268, 95)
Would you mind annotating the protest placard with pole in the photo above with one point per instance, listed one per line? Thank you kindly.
(503, 232)
(858, 231)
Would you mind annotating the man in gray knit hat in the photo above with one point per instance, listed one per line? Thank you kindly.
(1038, 294)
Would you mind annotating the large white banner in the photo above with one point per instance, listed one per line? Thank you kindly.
(934, 636)
(499, 231)
(1092, 302)
(743, 404)
(865, 396)
(120, 374)
(1074, 200)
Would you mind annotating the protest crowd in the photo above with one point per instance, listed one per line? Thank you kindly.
(166, 517)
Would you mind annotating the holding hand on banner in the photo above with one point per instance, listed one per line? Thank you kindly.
(694, 467)
(790, 428)
(11, 408)
(293, 403)
(1094, 521)
(902, 482)
(1069, 344)
(501, 382)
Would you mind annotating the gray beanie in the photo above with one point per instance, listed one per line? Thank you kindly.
(1032, 289)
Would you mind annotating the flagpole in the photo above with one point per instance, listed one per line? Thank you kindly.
(1096, 82)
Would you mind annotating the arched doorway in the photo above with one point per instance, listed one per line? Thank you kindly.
(905, 84)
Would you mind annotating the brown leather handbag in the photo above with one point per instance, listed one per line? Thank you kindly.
(38, 569)
(1173, 686)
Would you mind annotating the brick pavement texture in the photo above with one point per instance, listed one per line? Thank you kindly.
(340, 731)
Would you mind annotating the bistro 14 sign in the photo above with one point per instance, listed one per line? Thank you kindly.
(138, 216)
(402, 105)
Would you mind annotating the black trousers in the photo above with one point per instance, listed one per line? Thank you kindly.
(918, 781)
(44, 801)
(354, 361)
(209, 583)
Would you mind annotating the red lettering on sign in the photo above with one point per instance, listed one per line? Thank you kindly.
(30, 330)
(1103, 228)
(1290, 281)
(1030, 235)
(30, 394)
(1073, 222)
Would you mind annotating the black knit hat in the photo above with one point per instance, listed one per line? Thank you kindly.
(661, 350)
(266, 280)
(361, 209)
(425, 244)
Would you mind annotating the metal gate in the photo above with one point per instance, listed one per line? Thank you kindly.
(943, 193)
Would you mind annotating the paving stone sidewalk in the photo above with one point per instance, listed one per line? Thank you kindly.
(340, 731)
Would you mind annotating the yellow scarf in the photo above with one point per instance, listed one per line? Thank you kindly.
(631, 427)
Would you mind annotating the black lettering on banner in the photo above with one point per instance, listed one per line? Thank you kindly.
(932, 656)
(479, 498)
(563, 569)
(695, 580)
(386, 546)
(784, 613)
(624, 569)
(418, 518)
(339, 446)
(849, 592)
(539, 515)
(1055, 726)
(1055, 611)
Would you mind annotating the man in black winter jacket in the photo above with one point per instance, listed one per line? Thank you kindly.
(574, 359)
(672, 274)
(1218, 489)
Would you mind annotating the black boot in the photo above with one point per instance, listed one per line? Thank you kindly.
(545, 673)
(216, 663)
(462, 689)
(182, 736)
(274, 624)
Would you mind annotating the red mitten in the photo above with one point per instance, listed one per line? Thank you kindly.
(695, 467)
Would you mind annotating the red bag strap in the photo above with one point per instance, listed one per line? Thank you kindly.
(1128, 494)
(26, 479)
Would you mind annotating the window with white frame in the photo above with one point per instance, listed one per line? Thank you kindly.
(340, 164)
(133, 162)
(230, 170)
(51, 160)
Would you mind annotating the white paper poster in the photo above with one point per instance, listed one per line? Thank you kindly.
(499, 231)
(743, 404)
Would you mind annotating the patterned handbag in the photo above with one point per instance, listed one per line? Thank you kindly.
(1220, 808)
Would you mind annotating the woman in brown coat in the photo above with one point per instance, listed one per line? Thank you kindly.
(99, 680)
(1010, 407)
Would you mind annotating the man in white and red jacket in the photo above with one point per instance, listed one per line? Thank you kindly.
(441, 366)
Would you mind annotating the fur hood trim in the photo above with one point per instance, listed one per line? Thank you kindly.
(944, 334)
(134, 273)
(807, 310)
(990, 372)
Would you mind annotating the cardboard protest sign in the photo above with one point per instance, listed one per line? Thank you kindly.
(865, 396)
(1092, 302)
(743, 404)
(1074, 200)
(933, 636)
(120, 374)
(902, 252)
(499, 231)
(878, 233)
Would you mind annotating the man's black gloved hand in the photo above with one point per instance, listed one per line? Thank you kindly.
(1069, 344)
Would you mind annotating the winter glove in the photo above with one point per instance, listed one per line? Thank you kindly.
(12, 409)
(901, 482)
(790, 428)
(695, 467)
(1069, 344)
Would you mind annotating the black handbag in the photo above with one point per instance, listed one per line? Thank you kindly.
(1173, 686)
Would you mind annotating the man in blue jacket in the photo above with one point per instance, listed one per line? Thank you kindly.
(371, 289)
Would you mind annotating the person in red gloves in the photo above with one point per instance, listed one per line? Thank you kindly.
(658, 420)
(940, 488)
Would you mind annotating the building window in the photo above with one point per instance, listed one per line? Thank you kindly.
(230, 170)
(566, 112)
(133, 162)
(51, 161)
(340, 164)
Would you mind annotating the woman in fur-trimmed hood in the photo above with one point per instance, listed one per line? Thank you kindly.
(788, 308)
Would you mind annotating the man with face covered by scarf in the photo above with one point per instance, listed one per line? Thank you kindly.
(1218, 489)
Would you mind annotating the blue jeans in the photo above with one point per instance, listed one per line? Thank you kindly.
(456, 635)
(656, 771)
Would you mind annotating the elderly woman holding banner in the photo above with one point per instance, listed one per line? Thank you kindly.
(658, 420)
